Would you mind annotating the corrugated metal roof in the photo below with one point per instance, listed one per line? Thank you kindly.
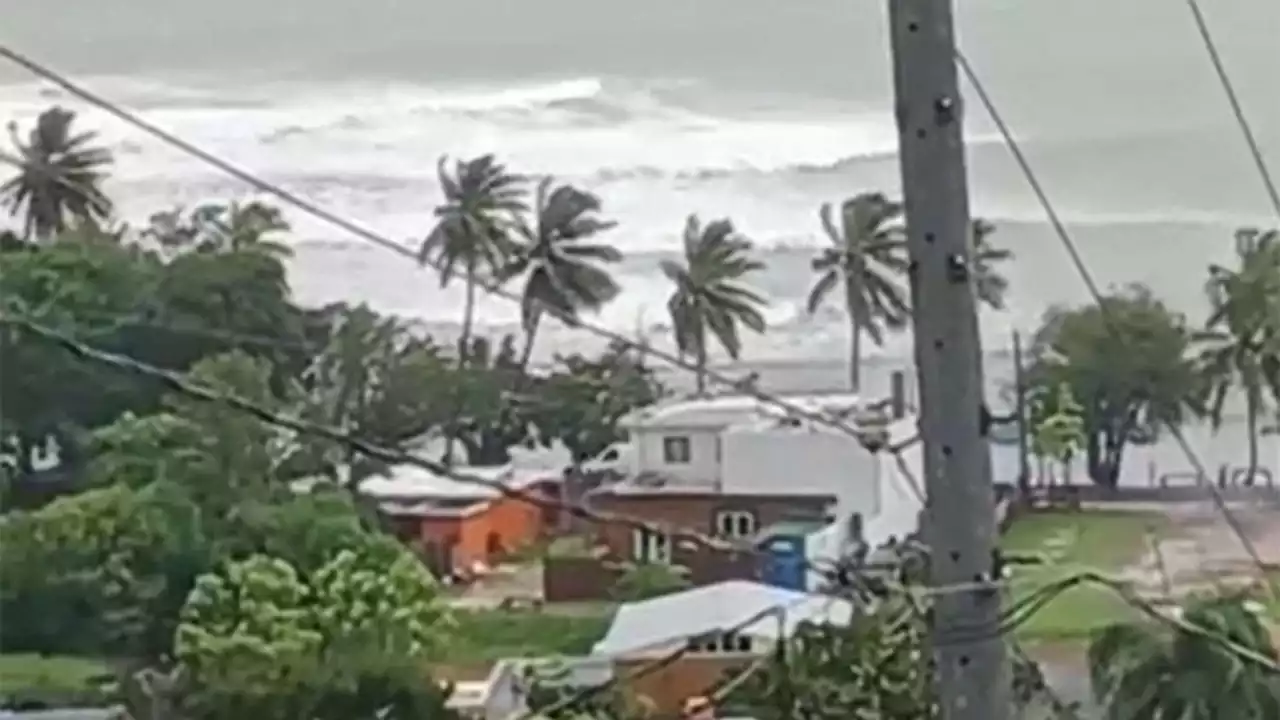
(409, 482)
(661, 623)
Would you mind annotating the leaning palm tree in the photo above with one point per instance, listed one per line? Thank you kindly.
(865, 261)
(1193, 669)
(59, 177)
(709, 297)
(989, 285)
(472, 235)
(1240, 346)
(563, 265)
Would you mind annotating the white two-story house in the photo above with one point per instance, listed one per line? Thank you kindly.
(736, 467)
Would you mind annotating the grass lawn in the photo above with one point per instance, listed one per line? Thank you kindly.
(33, 681)
(1100, 540)
(496, 634)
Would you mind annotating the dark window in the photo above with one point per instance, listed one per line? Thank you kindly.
(676, 450)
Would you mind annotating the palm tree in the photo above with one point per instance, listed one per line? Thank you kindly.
(472, 234)
(988, 284)
(482, 202)
(1240, 345)
(217, 228)
(59, 179)
(563, 265)
(1154, 670)
(709, 297)
(865, 260)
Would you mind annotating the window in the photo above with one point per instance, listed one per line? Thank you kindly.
(721, 643)
(676, 450)
(735, 524)
(650, 546)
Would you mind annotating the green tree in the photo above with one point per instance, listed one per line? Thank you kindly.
(221, 228)
(375, 379)
(1148, 669)
(223, 457)
(86, 288)
(582, 400)
(472, 234)
(489, 417)
(228, 289)
(1240, 346)
(561, 260)
(1059, 432)
(709, 299)
(873, 667)
(352, 639)
(866, 262)
(641, 581)
(103, 572)
(59, 176)
(1126, 397)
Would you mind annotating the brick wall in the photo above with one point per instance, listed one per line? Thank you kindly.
(696, 512)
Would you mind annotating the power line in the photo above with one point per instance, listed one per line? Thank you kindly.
(181, 384)
(488, 285)
(1242, 120)
(1095, 292)
(778, 612)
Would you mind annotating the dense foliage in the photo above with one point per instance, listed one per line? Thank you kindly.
(146, 526)
(165, 532)
(1193, 672)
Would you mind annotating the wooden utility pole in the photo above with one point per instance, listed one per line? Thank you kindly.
(960, 522)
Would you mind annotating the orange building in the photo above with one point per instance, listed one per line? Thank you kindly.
(463, 528)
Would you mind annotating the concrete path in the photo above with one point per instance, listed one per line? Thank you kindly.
(1204, 551)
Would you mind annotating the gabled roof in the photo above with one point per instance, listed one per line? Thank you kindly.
(721, 411)
(663, 622)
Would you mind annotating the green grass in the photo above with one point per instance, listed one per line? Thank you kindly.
(35, 681)
(496, 634)
(1104, 541)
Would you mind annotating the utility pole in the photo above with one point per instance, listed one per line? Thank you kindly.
(960, 524)
(1024, 431)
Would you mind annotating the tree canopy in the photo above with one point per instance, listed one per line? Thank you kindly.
(1125, 397)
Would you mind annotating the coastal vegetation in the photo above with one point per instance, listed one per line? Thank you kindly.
(166, 533)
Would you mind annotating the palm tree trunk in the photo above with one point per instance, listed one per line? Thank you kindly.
(855, 356)
(702, 367)
(531, 334)
(1251, 407)
(464, 346)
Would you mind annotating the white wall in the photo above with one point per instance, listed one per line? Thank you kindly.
(900, 505)
(703, 467)
(779, 460)
(896, 512)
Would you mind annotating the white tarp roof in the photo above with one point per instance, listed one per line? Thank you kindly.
(662, 622)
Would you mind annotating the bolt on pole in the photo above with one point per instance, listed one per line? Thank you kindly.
(960, 519)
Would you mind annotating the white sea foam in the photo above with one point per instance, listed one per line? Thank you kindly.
(655, 150)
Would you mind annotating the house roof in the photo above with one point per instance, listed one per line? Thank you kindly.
(662, 622)
(724, 410)
(410, 482)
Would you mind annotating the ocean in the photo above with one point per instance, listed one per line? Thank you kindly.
(758, 111)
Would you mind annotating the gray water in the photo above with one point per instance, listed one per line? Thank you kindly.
(756, 110)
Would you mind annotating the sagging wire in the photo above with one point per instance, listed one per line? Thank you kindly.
(585, 695)
(489, 285)
(1082, 269)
